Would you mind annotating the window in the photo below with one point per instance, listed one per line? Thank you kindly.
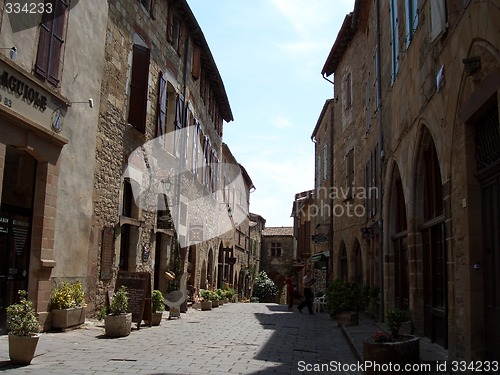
(139, 88)
(196, 141)
(371, 192)
(206, 148)
(318, 170)
(174, 35)
(149, 6)
(275, 249)
(348, 90)
(368, 100)
(161, 118)
(488, 139)
(393, 7)
(187, 130)
(50, 44)
(437, 14)
(179, 104)
(411, 19)
(325, 161)
(350, 173)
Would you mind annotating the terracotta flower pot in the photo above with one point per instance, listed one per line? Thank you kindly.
(347, 318)
(206, 305)
(65, 318)
(22, 348)
(381, 354)
(156, 319)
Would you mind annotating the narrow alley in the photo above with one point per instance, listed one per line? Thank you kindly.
(236, 338)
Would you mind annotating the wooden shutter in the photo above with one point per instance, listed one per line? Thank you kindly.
(50, 42)
(139, 88)
(178, 125)
(350, 173)
(170, 24)
(152, 9)
(196, 69)
(437, 19)
(162, 106)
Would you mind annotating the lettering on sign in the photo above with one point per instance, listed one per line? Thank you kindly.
(107, 253)
(139, 291)
(23, 91)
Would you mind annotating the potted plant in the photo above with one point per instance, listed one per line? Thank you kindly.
(23, 327)
(118, 323)
(229, 295)
(220, 296)
(395, 347)
(67, 305)
(158, 307)
(206, 298)
(264, 288)
(344, 301)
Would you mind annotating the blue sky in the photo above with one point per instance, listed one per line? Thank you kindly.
(270, 54)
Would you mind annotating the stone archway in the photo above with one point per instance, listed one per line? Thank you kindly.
(431, 239)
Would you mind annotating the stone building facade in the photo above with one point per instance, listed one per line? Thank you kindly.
(323, 213)
(277, 255)
(257, 225)
(236, 263)
(131, 179)
(416, 118)
(165, 185)
(47, 146)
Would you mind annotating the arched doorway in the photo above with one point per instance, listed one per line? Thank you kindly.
(344, 271)
(399, 234)
(192, 266)
(16, 213)
(487, 144)
(358, 264)
(220, 267)
(210, 269)
(203, 277)
(431, 217)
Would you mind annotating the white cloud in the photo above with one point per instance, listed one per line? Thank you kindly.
(281, 122)
(306, 19)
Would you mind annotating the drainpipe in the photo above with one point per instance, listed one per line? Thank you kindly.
(183, 144)
(332, 201)
(380, 166)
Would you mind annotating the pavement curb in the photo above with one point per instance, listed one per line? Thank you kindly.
(352, 343)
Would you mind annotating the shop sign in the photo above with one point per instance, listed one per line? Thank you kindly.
(29, 99)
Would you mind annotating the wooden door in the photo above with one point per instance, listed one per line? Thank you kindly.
(490, 193)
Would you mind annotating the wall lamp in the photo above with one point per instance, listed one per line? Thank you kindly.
(471, 65)
(90, 102)
(13, 52)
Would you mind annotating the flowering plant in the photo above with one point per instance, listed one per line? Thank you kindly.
(21, 317)
(68, 296)
(382, 337)
(208, 295)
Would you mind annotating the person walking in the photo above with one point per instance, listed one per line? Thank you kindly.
(308, 282)
(289, 290)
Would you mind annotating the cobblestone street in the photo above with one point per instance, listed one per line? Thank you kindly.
(234, 338)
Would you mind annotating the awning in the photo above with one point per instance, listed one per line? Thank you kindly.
(319, 256)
